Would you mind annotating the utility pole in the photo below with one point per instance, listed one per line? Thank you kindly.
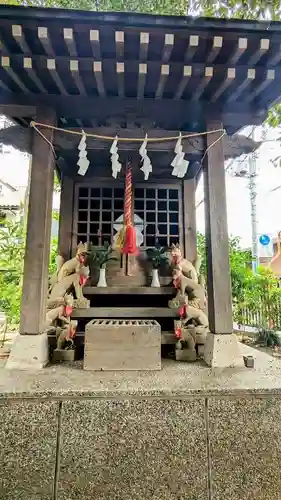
(253, 202)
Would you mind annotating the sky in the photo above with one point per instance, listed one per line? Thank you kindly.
(237, 192)
(14, 169)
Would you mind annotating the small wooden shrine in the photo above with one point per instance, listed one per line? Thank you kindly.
(179, 82)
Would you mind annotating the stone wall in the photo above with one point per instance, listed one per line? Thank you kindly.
(223, 446)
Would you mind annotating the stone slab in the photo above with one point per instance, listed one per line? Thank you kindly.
(245, 448)
(29, 352)
(28, 449)
(128, 449)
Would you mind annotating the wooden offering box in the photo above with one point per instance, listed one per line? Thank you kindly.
(122, 345)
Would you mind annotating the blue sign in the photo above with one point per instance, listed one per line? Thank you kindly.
(264, 240)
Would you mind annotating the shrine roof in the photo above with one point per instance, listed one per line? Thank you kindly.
(169, 71)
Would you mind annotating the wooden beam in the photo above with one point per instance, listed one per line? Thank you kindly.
(187, 72)
(263, 49)
(69, 39)
(209, 72)
(95, 43)
(66, 217)
(193, 45)
(167, 113)
(189, 217)
(141, 80)
(124, 312)
(239, 50)
(168, 47)
(27, 64)
(215, 50)
(35, 279)
(97, 68)
(19, 37)
(51, 66)
(144, 43)
(217, 246)
(6, 65)
(251, 75)
(120, 69)
(164, 73)
(74, 69)
(227, 81)
(42, 32)
(119, 44)
(270, 77)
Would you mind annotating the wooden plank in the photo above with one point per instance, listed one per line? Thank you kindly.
(218, 277)
(97, 68)
(251, 75)
(120, 70)
(66, 217)
(187, 72)
(6, 65)
(117, 290)
(168, 47)
(144, 43)
(164, 73)
(141, 80)
(215, 50)
(95, 43)
(119, 43)
(27, 64)
(74, 69)
(70, 43)
(189, 213)
(42, 33)
(208, 75)
(35, 279)
(124, 312)
(264, 47)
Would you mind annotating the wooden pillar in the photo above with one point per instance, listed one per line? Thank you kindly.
(39, 221)
(218, 276)
(66, 217)
(190, 236)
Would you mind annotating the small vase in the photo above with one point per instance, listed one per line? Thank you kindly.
(102, 278)
(155, 278)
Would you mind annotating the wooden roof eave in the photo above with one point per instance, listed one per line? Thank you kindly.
(21, 138)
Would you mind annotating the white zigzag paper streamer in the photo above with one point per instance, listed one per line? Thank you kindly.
(115, 163)
(179, 164)
(145, 160)
(83, 162)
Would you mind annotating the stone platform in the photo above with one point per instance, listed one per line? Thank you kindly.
(184, 433)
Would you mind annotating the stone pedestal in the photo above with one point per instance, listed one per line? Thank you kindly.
(122, 345)
(29, 352)
(222, 351)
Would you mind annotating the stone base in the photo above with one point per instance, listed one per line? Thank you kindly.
(222, 351)
(186, 355)
(63, 355)
(29, 352)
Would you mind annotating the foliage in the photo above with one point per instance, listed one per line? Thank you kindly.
(261, 302)
(268, 338)
(157, 256)
(12, 249)
(12, 246)
(99, 256)
(239, 264)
